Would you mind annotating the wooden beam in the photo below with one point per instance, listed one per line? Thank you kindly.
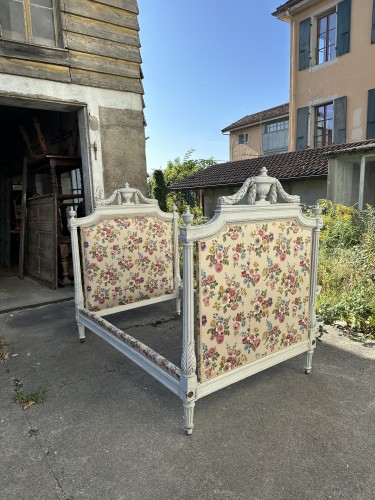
(40, 136)
(100, 29)
(21, 255)
(100, 47)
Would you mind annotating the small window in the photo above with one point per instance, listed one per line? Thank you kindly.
(32, 21)
(243, 138)
(276, 126)
(324, 125)
(326, 43)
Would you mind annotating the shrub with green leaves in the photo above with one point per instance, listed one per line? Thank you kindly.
(346, 275)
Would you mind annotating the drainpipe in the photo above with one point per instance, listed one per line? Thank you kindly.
(292, 125)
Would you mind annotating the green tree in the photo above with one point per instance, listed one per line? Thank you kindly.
(177, 170)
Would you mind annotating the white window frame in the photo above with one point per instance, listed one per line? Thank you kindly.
(245, 138)
(315, 16)
(276, 126)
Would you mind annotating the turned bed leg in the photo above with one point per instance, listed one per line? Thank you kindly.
(308, 361)
(81, 333)
(178, 306)
(188, 416)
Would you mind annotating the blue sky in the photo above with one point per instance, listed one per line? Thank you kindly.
(206, 64)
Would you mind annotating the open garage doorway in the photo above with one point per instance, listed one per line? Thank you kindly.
(40, 176)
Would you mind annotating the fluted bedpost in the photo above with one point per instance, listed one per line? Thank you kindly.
(78, 292)
(313, 282)
(188, 360)
(176, 260)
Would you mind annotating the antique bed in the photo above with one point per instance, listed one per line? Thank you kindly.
(255, 265)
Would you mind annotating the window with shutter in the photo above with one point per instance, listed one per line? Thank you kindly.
(32, 21)
(373, 23)
(343, 27)
(324, 125)
(370, 134)
(326, 43)
(304, 44)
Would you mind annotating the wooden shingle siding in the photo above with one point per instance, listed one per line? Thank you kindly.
(100, 80)
(100, 47)
(85, 26)
(25, 51)
(103, 42)
(129, 5)
(105, 65)
(35, 69)
(101, 12)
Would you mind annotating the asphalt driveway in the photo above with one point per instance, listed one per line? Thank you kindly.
(107, 430)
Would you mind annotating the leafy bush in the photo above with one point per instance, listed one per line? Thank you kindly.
(177, 170)
(346, 275)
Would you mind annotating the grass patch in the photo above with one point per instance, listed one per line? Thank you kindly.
(29, 398)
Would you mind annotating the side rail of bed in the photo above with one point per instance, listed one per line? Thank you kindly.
(257, 268)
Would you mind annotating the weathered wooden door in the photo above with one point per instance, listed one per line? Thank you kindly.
(5, 188)
(41, 240)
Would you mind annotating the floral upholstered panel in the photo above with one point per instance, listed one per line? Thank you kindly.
(253, 293)
(126, 260)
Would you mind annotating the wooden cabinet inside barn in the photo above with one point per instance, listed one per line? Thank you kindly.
(74, 67)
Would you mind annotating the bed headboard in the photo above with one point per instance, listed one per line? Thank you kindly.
(128, 251)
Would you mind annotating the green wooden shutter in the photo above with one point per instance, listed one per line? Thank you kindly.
(339, 120)
(370, 134)
(302, 128)
(343, 27)
(373, 23)
(304, 44)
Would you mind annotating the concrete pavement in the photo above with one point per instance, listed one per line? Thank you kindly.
(18, 294)
(109, 431)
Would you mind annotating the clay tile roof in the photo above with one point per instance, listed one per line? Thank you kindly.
(261, 116)
(351, 148)
(283, 166)
(286, 6)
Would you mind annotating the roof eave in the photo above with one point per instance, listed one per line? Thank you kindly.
(259, 122)
(239, 183)
(287, 13)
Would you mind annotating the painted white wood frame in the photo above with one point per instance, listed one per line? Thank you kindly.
(261, 195)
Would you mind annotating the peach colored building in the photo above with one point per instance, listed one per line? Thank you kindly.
(331, 127)
(332, 89)
(262, 133)
(332, 71)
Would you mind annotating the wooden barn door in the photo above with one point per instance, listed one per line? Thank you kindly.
(41, 240)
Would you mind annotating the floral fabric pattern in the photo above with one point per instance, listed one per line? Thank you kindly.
(126, 260)
(135, 344)
(253, 293)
